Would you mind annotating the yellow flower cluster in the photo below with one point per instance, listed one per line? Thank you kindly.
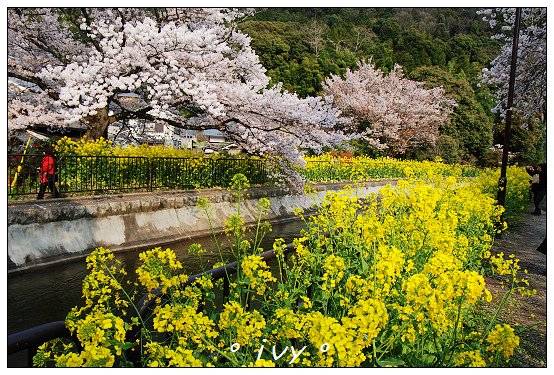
(165, 356)
(471, 358)
(257, 272)
(184, 322)
(246, 327)
(157, 267)
(99, 147)
(334, 271)
(288, 324)
(180, 357)
(346, 338)
(504, 266)
(386, 281)
(262, 363)
(327, 167)
(101, 334)
(517, 189)
(103, 147)
(418, 251)
(503, 340)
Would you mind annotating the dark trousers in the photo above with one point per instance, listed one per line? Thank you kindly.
(51, 185)
(539, 196)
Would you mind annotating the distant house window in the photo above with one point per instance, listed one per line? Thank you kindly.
(159, 128)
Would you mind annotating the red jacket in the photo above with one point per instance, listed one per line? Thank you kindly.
(47, 168)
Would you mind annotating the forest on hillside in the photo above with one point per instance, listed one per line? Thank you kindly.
(447, 47)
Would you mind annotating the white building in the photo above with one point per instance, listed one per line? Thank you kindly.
(139, 132)
(188, 138)
(214, 136)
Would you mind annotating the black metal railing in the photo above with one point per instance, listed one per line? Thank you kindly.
(32, 338)
(102, 173)
(346, 170)
(116, 174)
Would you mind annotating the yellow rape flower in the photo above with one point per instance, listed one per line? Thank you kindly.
(503, 340)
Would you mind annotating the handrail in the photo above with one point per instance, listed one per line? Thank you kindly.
(113, 173)
(32, 338)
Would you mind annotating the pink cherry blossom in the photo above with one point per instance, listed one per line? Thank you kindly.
(400, 112)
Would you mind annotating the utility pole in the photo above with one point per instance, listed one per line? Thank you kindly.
(503, 181)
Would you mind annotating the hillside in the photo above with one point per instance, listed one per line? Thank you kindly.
(446, 47)
(300, 45)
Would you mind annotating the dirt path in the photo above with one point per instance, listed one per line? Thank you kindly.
(523, 241)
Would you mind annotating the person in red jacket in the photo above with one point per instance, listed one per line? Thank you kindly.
(47, 174)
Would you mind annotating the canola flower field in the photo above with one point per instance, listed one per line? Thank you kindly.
(328, 167)
(393, 283)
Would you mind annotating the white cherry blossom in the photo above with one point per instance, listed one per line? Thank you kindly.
(84, 59)
(530, 80)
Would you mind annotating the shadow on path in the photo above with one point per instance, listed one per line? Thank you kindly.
(523, 242)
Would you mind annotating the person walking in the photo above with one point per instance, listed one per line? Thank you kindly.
(47, 174)
(538, 185)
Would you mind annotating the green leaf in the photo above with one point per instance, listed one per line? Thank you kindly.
(395, 362)
(364, 266)
(125, 346)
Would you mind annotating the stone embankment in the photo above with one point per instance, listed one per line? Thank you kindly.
(55, 230)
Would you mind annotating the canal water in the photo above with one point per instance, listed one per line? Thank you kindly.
(47, 295)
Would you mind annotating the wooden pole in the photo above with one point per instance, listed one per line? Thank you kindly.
(503, 181)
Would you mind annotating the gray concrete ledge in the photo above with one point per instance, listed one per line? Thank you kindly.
(58, 230)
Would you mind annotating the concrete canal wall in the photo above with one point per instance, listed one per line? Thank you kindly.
(57, 230)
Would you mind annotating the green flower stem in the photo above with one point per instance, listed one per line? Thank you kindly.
(500, 306)
(209, 343)
(216, 242)
(130, 301)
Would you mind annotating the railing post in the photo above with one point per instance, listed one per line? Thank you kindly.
(214, 172)
(150, 174)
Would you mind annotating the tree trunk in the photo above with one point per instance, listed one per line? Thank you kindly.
(97, 125)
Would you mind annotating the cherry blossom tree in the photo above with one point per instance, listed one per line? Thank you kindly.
(399, 113)
(530, 81)
(178, 63)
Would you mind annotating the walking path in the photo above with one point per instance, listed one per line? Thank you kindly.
(523, 241)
